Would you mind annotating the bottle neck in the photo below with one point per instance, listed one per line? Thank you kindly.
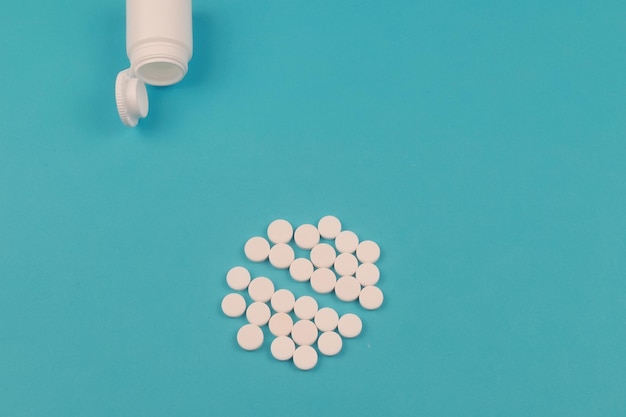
(159, 62)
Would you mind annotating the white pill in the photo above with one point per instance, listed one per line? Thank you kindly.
(346, 242)
(304, 332)
(258, 313)
(346, 264)
(329, 227)
(250, 337)
(306, 236)
(280, 324)
(233, 305)
(323, 255)
(367, 274)
(368, 251)
(350, 325)
(281, 255)
(261, 289)
(347, 289)
(282, 348)
(326, 319)
(305, 358)
(301, 269)
(329, 343)
(305, 307)
(323, 280)
(238, 278)
(371, 297)
(257, 249)
(280, 231)
(283, 301)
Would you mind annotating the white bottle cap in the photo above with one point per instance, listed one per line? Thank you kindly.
(131, 97)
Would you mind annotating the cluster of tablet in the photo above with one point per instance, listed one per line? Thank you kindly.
(355, 264)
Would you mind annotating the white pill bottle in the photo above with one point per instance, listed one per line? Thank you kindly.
(159, 45)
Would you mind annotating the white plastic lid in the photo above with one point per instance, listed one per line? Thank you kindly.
(131, 97)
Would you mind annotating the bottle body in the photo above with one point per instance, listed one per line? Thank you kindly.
(159, 40)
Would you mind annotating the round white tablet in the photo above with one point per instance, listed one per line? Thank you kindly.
(257, 249)
(329, 343)
(282, 348)
(281, 255)
(280, 231)
(368, 251)
(301, 269)
(329, 227)
(238, 278)
(371, 297)
(304, 332)
(306, 236)
(323, 280)
(280, 324)
(323, 255)
(346, 242)
(305, 358)
(350, 325)
(233, 305)
(367, 274)
(346, 264)
(326, 319)
(258, 313)
(250, 337)
(347, 289)
(261, 289)
(283, 301)
(305, 307)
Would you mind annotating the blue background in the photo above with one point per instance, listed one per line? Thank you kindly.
(481, 143)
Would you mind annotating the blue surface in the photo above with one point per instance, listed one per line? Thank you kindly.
(482, 144)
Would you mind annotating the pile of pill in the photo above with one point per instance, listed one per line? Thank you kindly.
(353, 261)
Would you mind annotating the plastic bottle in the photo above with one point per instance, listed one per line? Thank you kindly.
(159, 45)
